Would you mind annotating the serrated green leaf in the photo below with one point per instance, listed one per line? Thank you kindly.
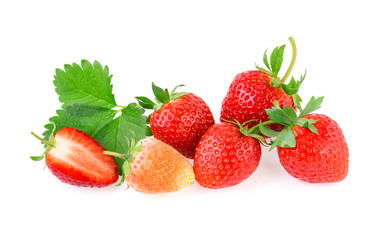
(162, 96)
(267, 131)
(88, 105)
(278, 115)
(293, 86)
(145, 102)
(312, 105)
(290, 112)
(85, 84)
(84, 117)
(115, 134)
(102, 124)
(285, 139)
(276, 59)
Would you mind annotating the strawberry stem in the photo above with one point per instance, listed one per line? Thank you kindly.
(114, 154)
(50, 143)
(290, 68)
(254, 128)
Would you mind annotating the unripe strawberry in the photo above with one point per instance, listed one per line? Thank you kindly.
(153, 166)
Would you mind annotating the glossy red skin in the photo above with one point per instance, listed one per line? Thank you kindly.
(316, 158)
(91, 167)
(225, 157)
(250, 93)
(182, 122)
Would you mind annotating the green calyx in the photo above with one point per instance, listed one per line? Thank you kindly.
(274, 65)
(249, 132)
(162, 96)
(288, 117)
(49, 144)
(134, 148)
(285, 116)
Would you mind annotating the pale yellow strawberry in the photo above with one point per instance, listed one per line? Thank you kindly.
(157, 167)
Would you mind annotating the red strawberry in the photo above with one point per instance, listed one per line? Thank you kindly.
(252, 92)
(225, 157)
(179, 119)
(311, 147)
(76, 158)
(153, 166)
(317, 158)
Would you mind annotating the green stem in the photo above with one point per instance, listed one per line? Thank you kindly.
(49, 143)
(290, 68)
(114, 154)
(120, 106)
(251, 130)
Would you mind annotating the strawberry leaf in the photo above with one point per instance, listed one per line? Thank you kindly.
(281, 116)
(162, 96)
(267, 131)
(312, 105)
(145, 102)
(265, 59)
(307, 123)
(290, 112)
(84, 117)
(89, 105)
(293, 86)
(276, 59)
(285, 139)
(287, 116)
(84, 84)
(297, 100)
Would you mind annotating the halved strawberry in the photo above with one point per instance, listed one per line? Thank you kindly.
(76, 158)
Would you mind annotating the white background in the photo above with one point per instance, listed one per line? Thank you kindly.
(203, 44)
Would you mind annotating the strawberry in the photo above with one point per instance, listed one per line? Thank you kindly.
(226, 155)
(153, 166)
(179, 119)
(76, 158)
(317, 158)
(311, 147)
(252, 92)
